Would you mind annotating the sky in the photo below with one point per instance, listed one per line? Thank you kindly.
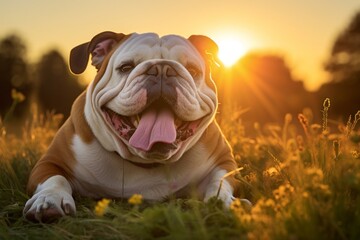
(301, 31)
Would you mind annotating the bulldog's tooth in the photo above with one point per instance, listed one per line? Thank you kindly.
(136, 123)
(136, 120)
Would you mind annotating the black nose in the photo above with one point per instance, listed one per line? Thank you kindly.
(161, 83)
(163, 70)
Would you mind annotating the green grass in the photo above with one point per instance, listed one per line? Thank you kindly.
(303, 179)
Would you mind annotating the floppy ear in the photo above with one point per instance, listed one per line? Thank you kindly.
(79, 55)
(206, 47)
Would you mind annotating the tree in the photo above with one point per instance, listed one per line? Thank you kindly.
(57, 87)
(344, 62)
(264, 85)
(344, 68)
(13, 74)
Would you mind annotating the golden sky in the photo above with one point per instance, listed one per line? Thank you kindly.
(302, 31)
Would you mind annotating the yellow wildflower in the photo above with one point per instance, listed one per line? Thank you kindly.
(135, 199)
(305, 194)
(17, 96)
(101, 207)
(235, 205)
(241, 212)
(284, 194)
(355, 154)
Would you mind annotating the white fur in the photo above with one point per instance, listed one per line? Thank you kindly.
(99, 173)
(54, 193)
(212, 186)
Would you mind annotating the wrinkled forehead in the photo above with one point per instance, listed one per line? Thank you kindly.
(155, 41)
(150, 45)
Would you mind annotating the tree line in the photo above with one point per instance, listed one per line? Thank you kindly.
(260, 85)
(48, 82)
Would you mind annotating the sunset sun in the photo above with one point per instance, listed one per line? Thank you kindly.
(231, 49)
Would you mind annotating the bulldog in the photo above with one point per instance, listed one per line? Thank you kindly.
(145, 124)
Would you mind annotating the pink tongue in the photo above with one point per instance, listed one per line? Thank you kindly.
(154, 127)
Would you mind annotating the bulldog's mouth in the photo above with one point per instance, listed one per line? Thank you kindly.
(157, 130)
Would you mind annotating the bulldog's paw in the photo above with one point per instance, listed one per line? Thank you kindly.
(229, 199)
(225, 196)
(48, 205)
(218, 187)
(51, 201)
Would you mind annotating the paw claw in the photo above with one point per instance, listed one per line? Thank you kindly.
(67, 209)
(48, 205)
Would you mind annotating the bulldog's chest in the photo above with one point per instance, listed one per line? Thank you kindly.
(99, 173)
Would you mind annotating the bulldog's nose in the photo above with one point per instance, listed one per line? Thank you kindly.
(160, 82)
(164, 70)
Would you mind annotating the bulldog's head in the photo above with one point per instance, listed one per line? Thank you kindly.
(152, 97)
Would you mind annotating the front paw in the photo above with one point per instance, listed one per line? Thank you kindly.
(226, 197)
(48, 205)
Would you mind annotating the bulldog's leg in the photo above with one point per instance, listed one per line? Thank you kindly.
(212, 186)
(223, 192)
(52, 199)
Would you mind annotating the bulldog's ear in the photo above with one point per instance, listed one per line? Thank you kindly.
(206, 47)
(79, 55)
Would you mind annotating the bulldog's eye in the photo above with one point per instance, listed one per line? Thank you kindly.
(194, 71)
(126, 67)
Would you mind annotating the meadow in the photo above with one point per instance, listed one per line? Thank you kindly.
(303, 178)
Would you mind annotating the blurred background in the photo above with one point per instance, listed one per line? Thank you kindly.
(293, 55)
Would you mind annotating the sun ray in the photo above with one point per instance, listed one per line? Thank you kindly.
(231, 49)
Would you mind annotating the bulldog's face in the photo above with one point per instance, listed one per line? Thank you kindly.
(152, 98)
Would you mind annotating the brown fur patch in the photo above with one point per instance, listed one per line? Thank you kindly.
(78, 119)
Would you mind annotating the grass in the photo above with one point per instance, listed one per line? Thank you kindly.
(303, 179)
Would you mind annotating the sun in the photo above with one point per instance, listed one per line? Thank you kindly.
(231, 49)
